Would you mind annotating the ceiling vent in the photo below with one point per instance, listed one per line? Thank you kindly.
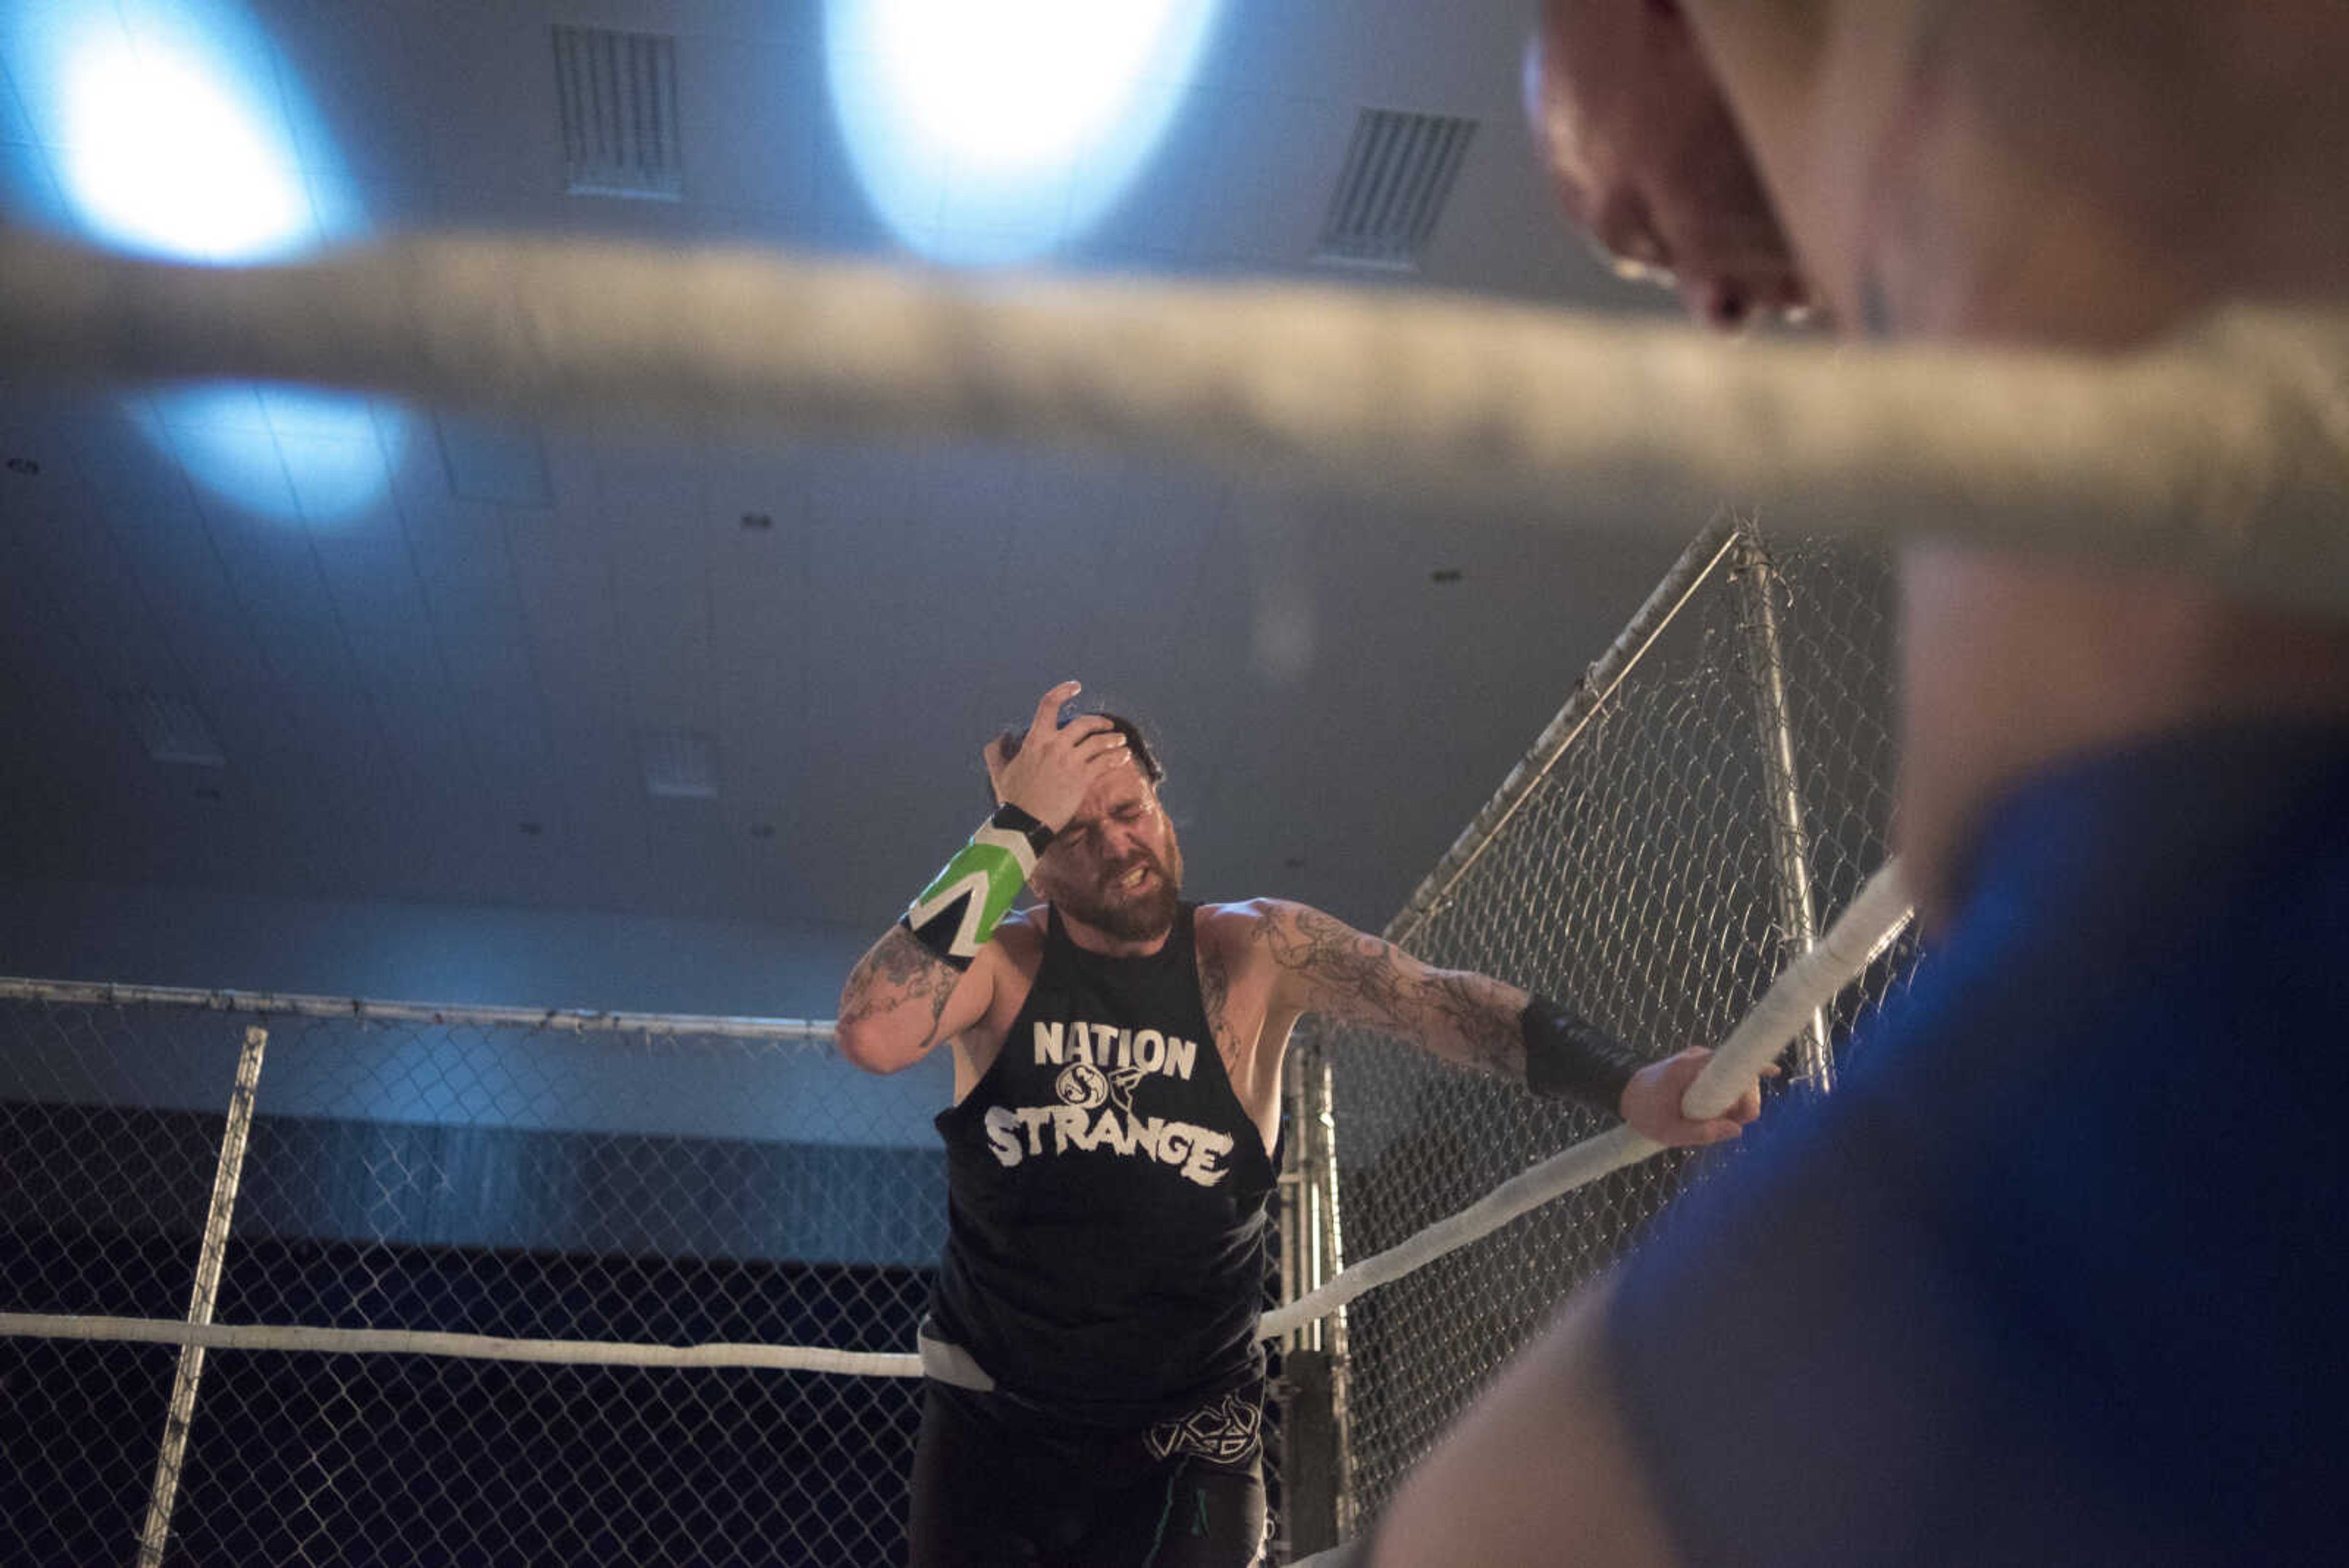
(172, 729)
(1398, 175)
(619, 112)
(679, 764)
(495, 461)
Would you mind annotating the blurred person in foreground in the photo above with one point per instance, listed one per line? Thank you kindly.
(2054, 1277)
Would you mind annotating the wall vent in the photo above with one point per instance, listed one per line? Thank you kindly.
(619, 112)
(1398, 175)
(679, 764)
(172, 729)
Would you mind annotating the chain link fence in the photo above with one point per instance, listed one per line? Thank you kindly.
(689, 1183)
(1713, 790)
(1716, 788)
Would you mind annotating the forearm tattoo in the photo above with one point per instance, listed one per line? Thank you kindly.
(1486, 1028)
(899, 972)
(1361, 979)
(1215, 991)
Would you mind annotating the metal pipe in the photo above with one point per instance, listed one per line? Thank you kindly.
(164, 1494)
(1317, 1443)
(100, 994)
(1598, 684)
(1763, 654)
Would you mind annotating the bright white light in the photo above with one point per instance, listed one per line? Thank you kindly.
(991, 131)
(159, 155)
(167, 127)
(1007, 88)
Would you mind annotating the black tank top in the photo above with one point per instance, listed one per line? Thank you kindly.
(1106, 1195)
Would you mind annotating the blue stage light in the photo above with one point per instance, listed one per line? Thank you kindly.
(993, 133)
(167, 128)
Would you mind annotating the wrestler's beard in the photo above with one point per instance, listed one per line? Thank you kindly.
(1138, 917)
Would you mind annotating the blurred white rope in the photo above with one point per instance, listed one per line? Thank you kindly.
(2227, 451)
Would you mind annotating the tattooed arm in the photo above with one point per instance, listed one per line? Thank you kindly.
(1323, 965)
(902, 999)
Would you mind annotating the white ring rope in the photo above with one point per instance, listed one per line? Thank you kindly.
(463, 1347)
(1873, 919)
(2227, 451)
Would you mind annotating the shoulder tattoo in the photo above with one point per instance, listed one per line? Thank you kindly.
(1336, 957)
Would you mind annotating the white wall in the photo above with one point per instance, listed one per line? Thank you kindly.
(419, 953)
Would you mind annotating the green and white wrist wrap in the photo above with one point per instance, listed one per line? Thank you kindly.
(964, 903)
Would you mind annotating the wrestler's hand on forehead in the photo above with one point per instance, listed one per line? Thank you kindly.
(1056, 763)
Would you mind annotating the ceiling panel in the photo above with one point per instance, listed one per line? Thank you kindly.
(440, 694)
(748, 109)
(594, 816)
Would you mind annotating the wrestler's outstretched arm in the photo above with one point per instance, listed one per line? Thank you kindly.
(1323, 965)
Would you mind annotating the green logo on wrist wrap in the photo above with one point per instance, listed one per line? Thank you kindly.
(963, 905)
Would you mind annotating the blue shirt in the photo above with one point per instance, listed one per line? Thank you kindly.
(2053, 1276)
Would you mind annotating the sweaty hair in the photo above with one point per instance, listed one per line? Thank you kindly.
(1137, 745)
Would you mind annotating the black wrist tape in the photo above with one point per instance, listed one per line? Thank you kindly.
(1569, 1057)
(1009, 816)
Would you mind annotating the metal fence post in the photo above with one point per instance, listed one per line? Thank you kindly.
(1763, 653)
(169, 1462)
(1318, 1500)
